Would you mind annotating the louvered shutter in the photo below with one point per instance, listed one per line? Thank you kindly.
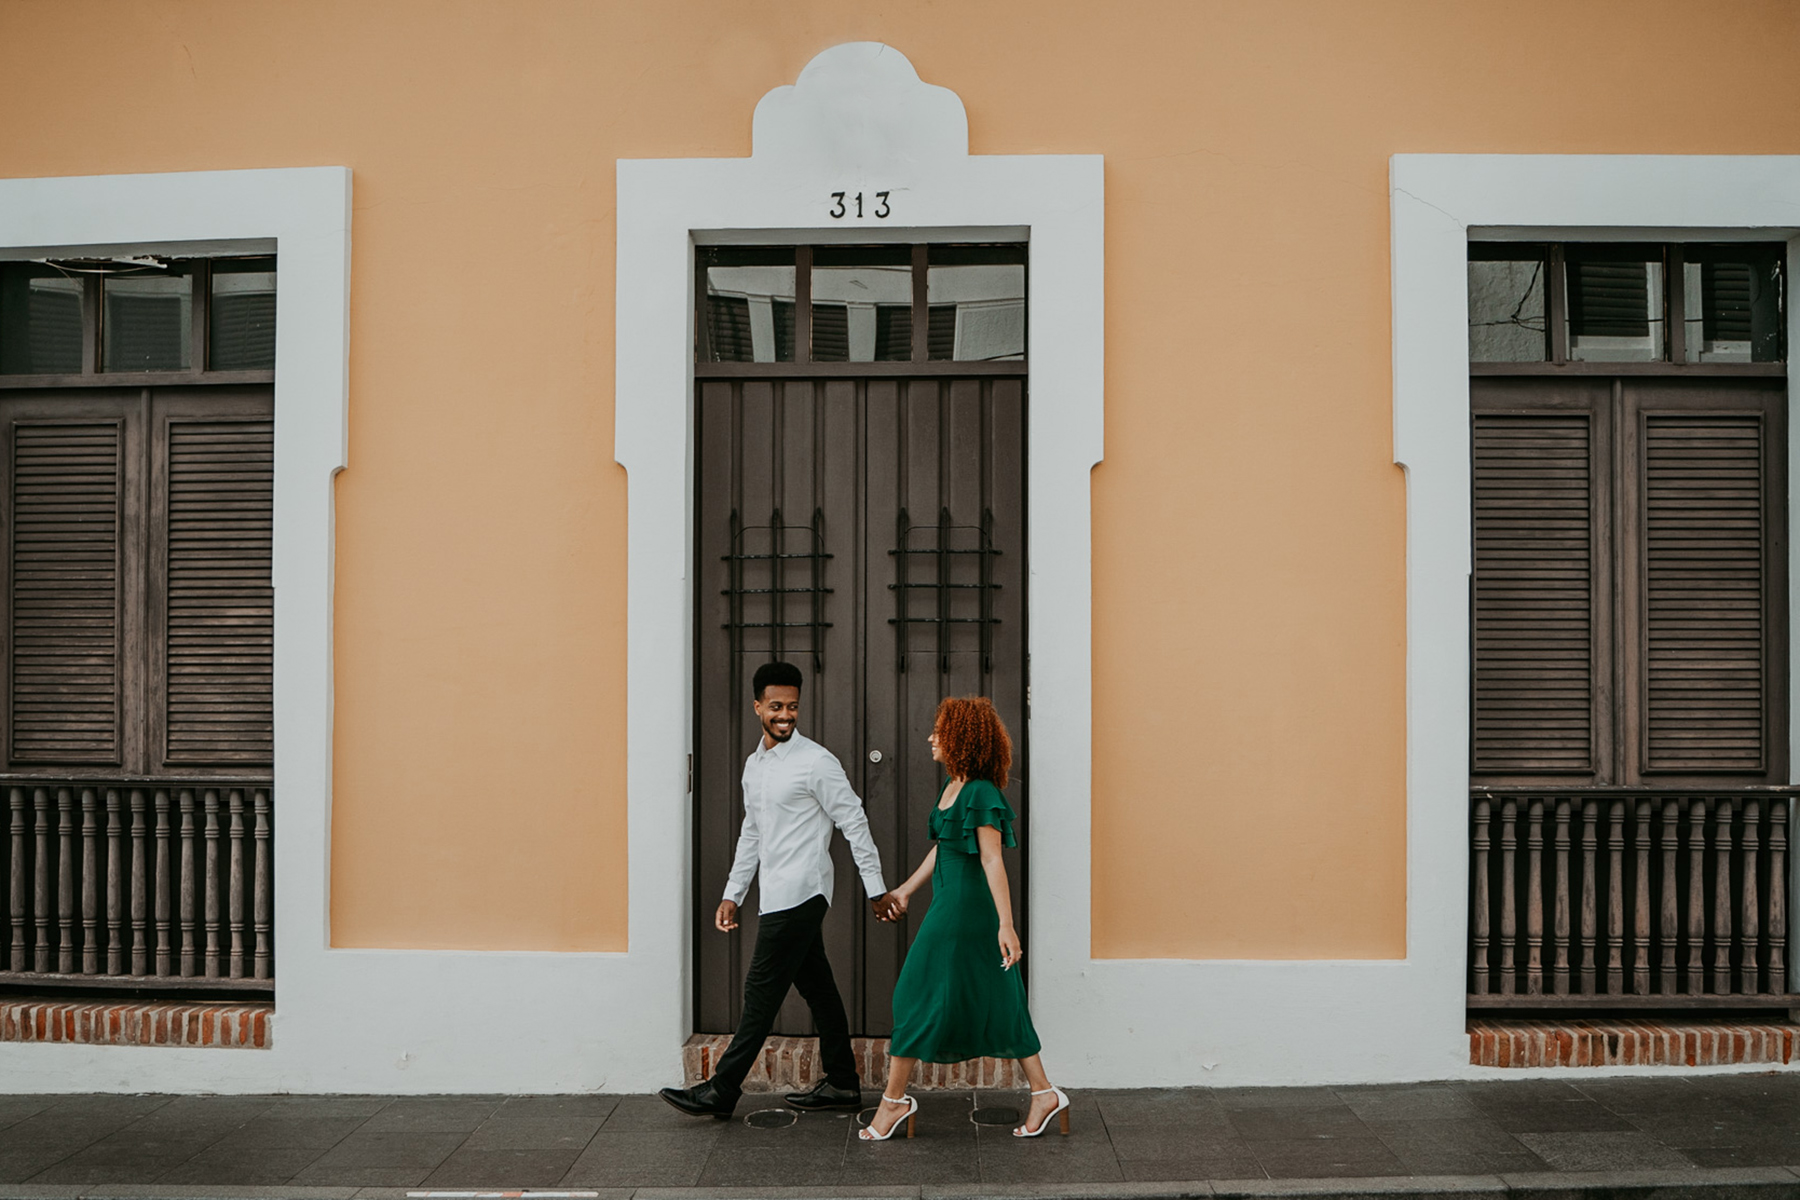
(1535, 593)
(220, 613)
(67, 514)
(1705, 594)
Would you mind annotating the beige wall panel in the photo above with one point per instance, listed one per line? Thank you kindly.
(1248, 522)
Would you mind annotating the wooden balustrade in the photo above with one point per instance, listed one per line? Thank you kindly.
(1656, 899)
(145, 884)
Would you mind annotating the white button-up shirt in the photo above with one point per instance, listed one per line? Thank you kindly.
(793, 795)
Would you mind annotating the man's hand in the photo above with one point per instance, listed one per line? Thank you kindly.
(890, 906)
(725, 920)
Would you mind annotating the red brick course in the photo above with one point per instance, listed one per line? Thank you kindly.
(136, 1023)
(790, 1063)
(1625, 1043)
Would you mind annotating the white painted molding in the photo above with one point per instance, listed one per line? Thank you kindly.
(860, 104)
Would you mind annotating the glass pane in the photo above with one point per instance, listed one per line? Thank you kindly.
(1732, 303)
(975, 304)
(1506, 310)
(862, 304)
(148, 322)
(749, 305)
(1615, 304)
(242, 315)
(40, 321)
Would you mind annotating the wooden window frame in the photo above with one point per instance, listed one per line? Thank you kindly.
(919, 366)
(1556, 308)
(200, 342)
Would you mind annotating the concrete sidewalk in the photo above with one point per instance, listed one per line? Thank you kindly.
(1717, 1135)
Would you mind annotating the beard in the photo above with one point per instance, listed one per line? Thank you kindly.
(770, 732)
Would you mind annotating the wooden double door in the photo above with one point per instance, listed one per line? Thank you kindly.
(871, 530)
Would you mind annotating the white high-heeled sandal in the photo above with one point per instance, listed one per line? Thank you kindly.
(867, 1133)
(1061, 1110)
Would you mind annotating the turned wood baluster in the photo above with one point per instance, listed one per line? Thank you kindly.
(90, 882)
(1721, 934)
(18, 890)
(1778, 820)
(1560, 967)
(1670, 925)
(1534, 899)
(65, 880)
(1749, 927)
(1695, 984)
(140, 886)
(235, 894)
(1479, 950)
(211, 883)
(263, 884)
(190, 932)
(1590, 918)
(1615, 901)
(40, 898)
(1509, 913)
(115, 885)
(164, 948)
(1640, 907)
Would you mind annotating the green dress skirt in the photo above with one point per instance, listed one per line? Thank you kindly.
(953, 1001)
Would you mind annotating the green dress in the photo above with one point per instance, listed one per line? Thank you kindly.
(953, 1001)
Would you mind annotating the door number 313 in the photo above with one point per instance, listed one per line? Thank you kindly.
(842, 204)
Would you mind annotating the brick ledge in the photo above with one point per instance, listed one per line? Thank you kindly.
(792, 1063)
(237, 1025)
(1627, 1043)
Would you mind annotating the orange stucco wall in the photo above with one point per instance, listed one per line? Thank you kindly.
(1248, 523)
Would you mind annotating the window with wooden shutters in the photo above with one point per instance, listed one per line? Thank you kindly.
(140, 614)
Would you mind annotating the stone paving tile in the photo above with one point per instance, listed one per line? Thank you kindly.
(1777, 1152)
(1239, 1099)
(14, 1109)
(1408, 1102)
(1083, 1157)
(1632, 1096)
(1173, 1106)
(1298, 1122)
(338, 1108)
(204, 1111)
(423, 1150)
(1230, 1164)
(647, 1114)
(16, 1166)
(268, 1166)
(1718, 1127)
(1461, 1146)
(1174, 1141)
(1555, 1116)
(1518, 1091)
(105, 1107)
(268, 1131)
(1334, 1157)
(432, 1116)
(535, 1133)
(1605, 1151)
(644, 1158)
(597, 1107)
(324, 1175)
(510, 1169)
(940, 1154)
(790, 1166)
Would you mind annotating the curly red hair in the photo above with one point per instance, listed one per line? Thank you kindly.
(974, 739)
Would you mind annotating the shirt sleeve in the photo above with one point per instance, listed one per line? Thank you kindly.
(749, 854)
(845, 809)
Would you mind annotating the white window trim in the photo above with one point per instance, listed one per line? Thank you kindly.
(1439, 201)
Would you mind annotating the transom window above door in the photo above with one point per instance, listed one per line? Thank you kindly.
(1679, 304)
(891, 303)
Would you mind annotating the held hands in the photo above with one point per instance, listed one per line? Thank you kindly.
(890, 906)
(1010, 949)
(725, 920)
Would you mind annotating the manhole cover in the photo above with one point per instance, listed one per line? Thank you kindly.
(995, 1116)
(771, 1118)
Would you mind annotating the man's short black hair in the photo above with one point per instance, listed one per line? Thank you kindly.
(774, 674)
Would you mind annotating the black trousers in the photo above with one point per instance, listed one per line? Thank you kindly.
(790, 952)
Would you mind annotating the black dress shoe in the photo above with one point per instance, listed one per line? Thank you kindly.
(702, 1100)
(825, 1096)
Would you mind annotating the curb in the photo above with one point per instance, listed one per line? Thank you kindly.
(1699, 1183)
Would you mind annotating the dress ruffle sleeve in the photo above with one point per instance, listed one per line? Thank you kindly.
(980, 803)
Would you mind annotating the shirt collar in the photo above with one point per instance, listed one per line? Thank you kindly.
(780, 749)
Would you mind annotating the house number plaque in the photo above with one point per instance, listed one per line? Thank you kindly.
(845, 204)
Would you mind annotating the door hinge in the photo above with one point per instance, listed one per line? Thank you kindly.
(690, 790)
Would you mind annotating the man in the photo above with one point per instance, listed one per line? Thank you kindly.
(794, 792)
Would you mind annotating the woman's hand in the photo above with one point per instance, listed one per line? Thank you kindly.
(1010, 949)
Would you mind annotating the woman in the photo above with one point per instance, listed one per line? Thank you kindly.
(953, 1000)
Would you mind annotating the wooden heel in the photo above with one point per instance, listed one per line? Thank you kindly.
(1064, 1122)
(911, 1118)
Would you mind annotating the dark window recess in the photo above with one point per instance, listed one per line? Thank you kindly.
(40, 320)
(148, 321)
(1608, 299)
(893, 333)
(728, 323)
(830, 333)
(781, 314)
(940, 332)
(242, 312)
